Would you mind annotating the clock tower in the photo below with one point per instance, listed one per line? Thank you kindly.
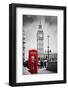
(40, 39)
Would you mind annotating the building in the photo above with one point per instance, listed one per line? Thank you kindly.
(23, 46)
(40, 44)
(52, 57)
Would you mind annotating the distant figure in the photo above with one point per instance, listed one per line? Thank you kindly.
(46, 62)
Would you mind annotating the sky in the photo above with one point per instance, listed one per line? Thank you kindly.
(31, 26)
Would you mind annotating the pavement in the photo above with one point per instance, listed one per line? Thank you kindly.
(25, 71)
(44, 71)
(40, 71)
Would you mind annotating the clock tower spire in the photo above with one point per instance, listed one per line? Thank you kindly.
(40, 41)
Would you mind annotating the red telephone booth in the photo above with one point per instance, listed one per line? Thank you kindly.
(33, 61)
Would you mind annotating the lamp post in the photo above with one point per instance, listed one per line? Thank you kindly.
(48, 46)
(23, 46)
